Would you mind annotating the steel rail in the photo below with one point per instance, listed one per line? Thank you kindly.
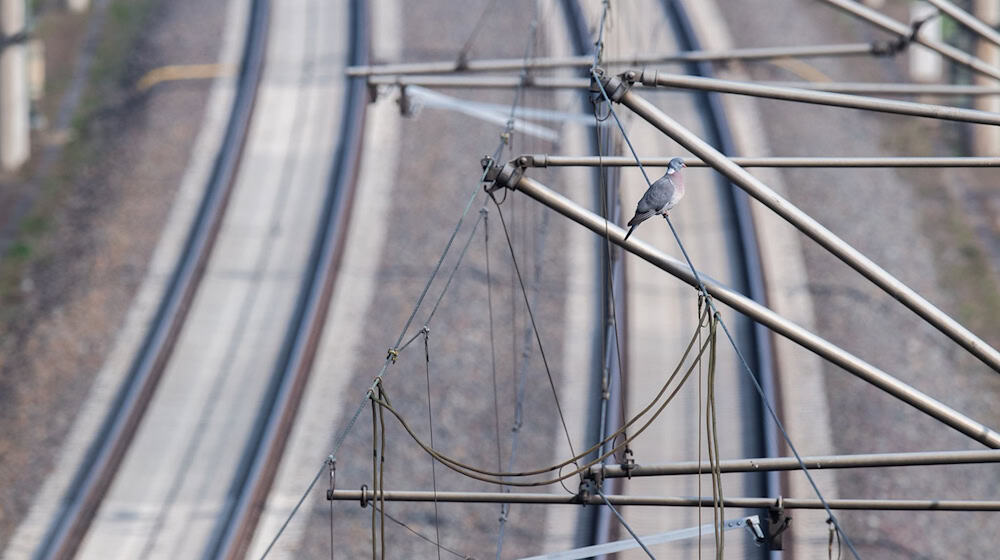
(771, 464)
(508, 177)
(968, 20)
(902, 30)
(582, 61)
(367, 496)
(548, 160)
(236, 525)
(662, 79)
(98, 469)
(806, 224)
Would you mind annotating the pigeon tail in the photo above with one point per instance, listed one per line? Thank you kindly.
(630, 230)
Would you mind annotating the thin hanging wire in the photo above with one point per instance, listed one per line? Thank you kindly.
(430, 423)
(626, 525)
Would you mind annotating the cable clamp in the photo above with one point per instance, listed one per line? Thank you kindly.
(364, 496)
(589, 487)
(333, 478)
(406, 107)
(778, 521)
(392, 355)
(899, 44)
(628, 465)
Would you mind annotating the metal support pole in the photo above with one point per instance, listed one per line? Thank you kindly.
(777, 323)
(655, 78)
(367, 496)
(540, 63)
(546, 160)
(805, 223)
(791, 463)
(902, 30)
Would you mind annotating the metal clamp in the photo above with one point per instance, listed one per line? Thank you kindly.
(778, 521)
(364, 495)
(615, 86)
(503, 177)
(333, 479)
(628, 465)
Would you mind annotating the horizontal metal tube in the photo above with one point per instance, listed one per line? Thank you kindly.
(816, 462)
(872, 88)
(545, 82)
(508, 64)
(679, 501)
(902, 30)
(777, 323)
(656, 78)
(481, 82)
(546, 160)
(809, 226)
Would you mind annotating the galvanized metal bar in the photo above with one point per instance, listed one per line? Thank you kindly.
(547, 82)
(777, 323)
(766, 464)
(542, 63)
(367, 496)
(809, 226)
(968, 20)
(902, 30)
(547, 160)
(873, 88)
(656, 78)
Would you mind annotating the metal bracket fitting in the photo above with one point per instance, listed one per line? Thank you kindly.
(615, 86)
(364, 496)
(628, 465)
(588, 489)
(778, 521)
(503, 177)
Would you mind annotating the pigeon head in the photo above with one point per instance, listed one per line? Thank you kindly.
(675, 165)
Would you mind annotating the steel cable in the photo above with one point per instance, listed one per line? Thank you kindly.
(492, 477)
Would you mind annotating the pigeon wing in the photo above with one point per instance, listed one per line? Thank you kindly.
(657, 196)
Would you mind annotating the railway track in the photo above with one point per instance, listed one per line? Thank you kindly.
(222, 526)
(263, 451)
(96, 473)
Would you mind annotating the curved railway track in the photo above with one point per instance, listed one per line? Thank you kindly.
(96, 473)
(262, 448)
(263, 451)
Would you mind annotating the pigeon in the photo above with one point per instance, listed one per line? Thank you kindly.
(661, 196)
